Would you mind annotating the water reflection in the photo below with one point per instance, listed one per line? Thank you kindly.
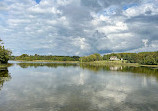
(115, 68)
(137, 71)
(4, 76)
(74, 87)
(55, 65)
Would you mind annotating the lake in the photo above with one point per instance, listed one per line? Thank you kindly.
(77, 87)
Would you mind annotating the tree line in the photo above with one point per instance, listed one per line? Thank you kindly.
(145, 58)
(46, 57)
(90, 58)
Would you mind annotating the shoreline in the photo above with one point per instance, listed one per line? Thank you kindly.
(114, 63)
(95, 63)
(49, 61)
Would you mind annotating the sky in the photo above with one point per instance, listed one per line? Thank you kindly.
(79, 27)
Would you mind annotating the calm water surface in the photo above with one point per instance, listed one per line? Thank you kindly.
(73, 87)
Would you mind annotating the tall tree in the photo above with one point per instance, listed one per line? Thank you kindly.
(4, 53)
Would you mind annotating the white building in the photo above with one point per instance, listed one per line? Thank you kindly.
(114, 58)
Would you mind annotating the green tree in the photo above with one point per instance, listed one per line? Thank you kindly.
(4, 53)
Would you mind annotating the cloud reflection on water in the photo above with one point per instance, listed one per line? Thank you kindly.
(73, 88)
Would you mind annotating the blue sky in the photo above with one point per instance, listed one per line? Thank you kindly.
(125, 7)
(38, 1)
(79, 27)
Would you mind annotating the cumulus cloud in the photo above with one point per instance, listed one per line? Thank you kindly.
(80, 27)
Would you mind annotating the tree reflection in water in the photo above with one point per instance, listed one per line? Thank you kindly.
(138, 71)
(4, 76)
(80, 87)
(55, 65)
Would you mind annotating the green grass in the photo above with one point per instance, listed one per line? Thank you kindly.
(122, 63)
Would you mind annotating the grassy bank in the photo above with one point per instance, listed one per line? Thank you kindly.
(114, 63)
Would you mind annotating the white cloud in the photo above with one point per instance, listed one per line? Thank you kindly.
(152, 47)
(67, 27)
(143, 9)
